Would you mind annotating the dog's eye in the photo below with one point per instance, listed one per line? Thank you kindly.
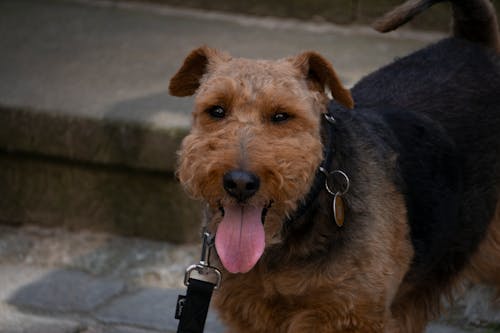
(280, 117)
(216, 111)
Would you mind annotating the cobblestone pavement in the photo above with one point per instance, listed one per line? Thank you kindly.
(60, 281)
(57, 281)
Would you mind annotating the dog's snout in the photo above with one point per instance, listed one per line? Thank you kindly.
(240, 184)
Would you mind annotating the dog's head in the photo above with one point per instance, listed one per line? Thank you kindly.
(255, 143)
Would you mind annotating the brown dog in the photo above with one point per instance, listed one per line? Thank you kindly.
(412, 170)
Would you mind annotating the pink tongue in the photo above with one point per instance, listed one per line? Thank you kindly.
(240, 238)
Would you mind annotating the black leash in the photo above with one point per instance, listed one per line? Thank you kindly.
(192, 309)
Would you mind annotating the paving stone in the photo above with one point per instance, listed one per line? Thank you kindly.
(481, 305)
(441, 328)
(123, 329)
(213, 323)
(15, 277)
(135, 260)
(150, 308)
(118, 329)
(12, 321)
(67, 291)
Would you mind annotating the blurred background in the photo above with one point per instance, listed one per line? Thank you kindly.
(95, 232)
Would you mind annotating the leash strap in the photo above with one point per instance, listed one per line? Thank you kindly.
(192, 309)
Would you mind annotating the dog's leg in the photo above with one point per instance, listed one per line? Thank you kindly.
(485, 263)
(413, 308)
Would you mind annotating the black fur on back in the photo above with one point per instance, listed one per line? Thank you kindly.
(440, 109)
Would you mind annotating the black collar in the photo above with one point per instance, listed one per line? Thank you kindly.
(328, 128)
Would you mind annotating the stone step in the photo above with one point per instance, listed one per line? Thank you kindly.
(88, 138)
(88, 133)
(91, 140)
(62, 170)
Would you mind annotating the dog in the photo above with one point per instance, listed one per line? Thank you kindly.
(356, 213)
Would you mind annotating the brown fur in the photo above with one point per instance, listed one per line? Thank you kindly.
(248, 88)
(484, 265)
(350, 296)
(300, 296)
(297, 285)
(363, 293)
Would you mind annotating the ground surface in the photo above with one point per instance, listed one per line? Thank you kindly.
(58, 281)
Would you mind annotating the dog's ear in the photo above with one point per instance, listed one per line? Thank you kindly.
(320, 74)
(187, 79)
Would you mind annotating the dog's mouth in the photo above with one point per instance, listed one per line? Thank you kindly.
(240, 237)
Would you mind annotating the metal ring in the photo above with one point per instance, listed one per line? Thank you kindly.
(330, 118)
(203, 270)
(347, 181)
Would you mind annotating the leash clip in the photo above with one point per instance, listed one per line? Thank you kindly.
(203, 267)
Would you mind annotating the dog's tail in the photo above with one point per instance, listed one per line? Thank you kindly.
(474, 20)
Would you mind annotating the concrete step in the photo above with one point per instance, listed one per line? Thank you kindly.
(64, 170)
(88, 133)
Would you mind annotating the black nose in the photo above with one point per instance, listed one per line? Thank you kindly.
(241, 185)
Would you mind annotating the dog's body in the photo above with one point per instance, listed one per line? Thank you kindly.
(438, 111)
(421, 149)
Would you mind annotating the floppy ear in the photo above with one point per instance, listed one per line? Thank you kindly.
(321, 74)
(187, 79)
